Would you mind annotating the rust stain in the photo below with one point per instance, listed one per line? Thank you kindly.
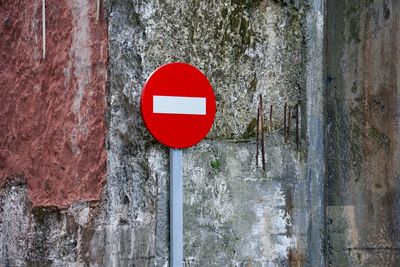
(289, 205)
(260, 132)
(295, 258)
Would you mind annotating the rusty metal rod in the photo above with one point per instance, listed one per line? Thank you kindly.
(257, 133)
(284, 122)
(262, 132)
(288, 126)
(270, 118)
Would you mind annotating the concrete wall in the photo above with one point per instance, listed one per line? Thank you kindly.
(235, 214)
(362, 127)
(331, 201)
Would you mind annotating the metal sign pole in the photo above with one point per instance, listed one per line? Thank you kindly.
(176, 208)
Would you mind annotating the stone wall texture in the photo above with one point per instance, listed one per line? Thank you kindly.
(83, 183)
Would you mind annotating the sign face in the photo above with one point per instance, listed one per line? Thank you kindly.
(178, 105)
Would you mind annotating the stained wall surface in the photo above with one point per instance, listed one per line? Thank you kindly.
(362, 190)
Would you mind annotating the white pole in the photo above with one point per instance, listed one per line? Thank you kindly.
(176, 208)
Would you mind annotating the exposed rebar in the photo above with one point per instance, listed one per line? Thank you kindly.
(270, 118)
(284, 122)
(288, 123)
(262, 132)
(257, 133)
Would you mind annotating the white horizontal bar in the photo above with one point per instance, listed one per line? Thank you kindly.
(179, 105)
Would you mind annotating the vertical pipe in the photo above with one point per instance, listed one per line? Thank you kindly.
(176, 208)
(44, 28)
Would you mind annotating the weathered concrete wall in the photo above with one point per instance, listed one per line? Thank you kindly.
(52, 126)
(234, 213)
(315, 31)
(362, 198)
(53, 145)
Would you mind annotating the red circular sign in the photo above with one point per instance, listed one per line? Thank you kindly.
(178, 105)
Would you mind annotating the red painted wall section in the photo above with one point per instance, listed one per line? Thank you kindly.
(52, 111)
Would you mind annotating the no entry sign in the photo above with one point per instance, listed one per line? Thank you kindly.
(178, 105)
